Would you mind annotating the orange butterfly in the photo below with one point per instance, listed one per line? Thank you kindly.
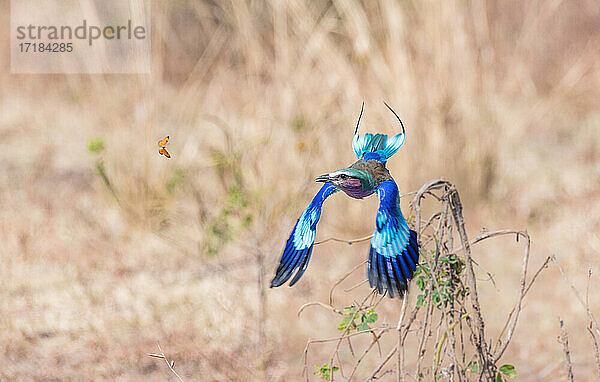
(162, 150)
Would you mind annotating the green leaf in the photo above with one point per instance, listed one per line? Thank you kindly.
(362, 327)
(345, 322)
(474, 367)
(508, 370)
(421, 282)
(371, 318)
(325, 371)
(499, 378)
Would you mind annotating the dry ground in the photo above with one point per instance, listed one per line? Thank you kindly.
(501, 97)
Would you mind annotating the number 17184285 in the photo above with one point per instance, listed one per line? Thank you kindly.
(40, 47)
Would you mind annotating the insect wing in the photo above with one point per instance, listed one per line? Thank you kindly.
(164, 152)
(163, 143)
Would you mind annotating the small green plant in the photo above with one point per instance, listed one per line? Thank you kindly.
(446, 287)
(325, 371)
(503, 371)
(352, 313)
(95, 146)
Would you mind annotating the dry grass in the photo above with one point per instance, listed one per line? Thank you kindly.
(502, 98)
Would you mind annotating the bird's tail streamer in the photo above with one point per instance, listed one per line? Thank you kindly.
(382, 146)
(379, 144)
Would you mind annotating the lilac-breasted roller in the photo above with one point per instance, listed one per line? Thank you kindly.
(394, 252)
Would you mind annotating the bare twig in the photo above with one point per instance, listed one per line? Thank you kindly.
(318, 304)
(162, 355)
(416, 202)
(430, 220)
(400, 370)
(341, 279)
(596, 350)
(349, 242)
(411, 319)
(375, 340)
(339, 339)
(517, 308)
(589, 329)
(564, 339)
(578, 296)
(508, 320)
(356, 286)
(382, 364)
(444, 336)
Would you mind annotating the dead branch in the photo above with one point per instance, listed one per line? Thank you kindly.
(349, 242)
(375, 340)
(341, 279)
(508, 320)
(517, 308)
(487, 366)
(329, 307)
(356, 285)
(400, 373)
(578, 296)
(413, 316)
(162, 355)
(596, 350)
(564, 339)
(325, 340)
(382, 364)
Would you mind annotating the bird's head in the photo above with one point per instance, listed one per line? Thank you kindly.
(348, 179)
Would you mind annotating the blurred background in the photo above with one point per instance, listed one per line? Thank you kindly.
(109, 247)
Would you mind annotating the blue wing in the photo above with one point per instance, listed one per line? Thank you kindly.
(394, 252)
(298, 248)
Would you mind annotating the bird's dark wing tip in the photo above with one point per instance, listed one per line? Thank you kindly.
(294, 265)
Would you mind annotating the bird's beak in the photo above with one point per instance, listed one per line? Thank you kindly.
(323, 178)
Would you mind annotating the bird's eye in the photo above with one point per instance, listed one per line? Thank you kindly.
(343, 176)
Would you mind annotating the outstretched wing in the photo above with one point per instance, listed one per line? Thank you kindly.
(298, 248)
(394, 252)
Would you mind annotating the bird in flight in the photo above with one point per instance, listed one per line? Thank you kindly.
(394, 252)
